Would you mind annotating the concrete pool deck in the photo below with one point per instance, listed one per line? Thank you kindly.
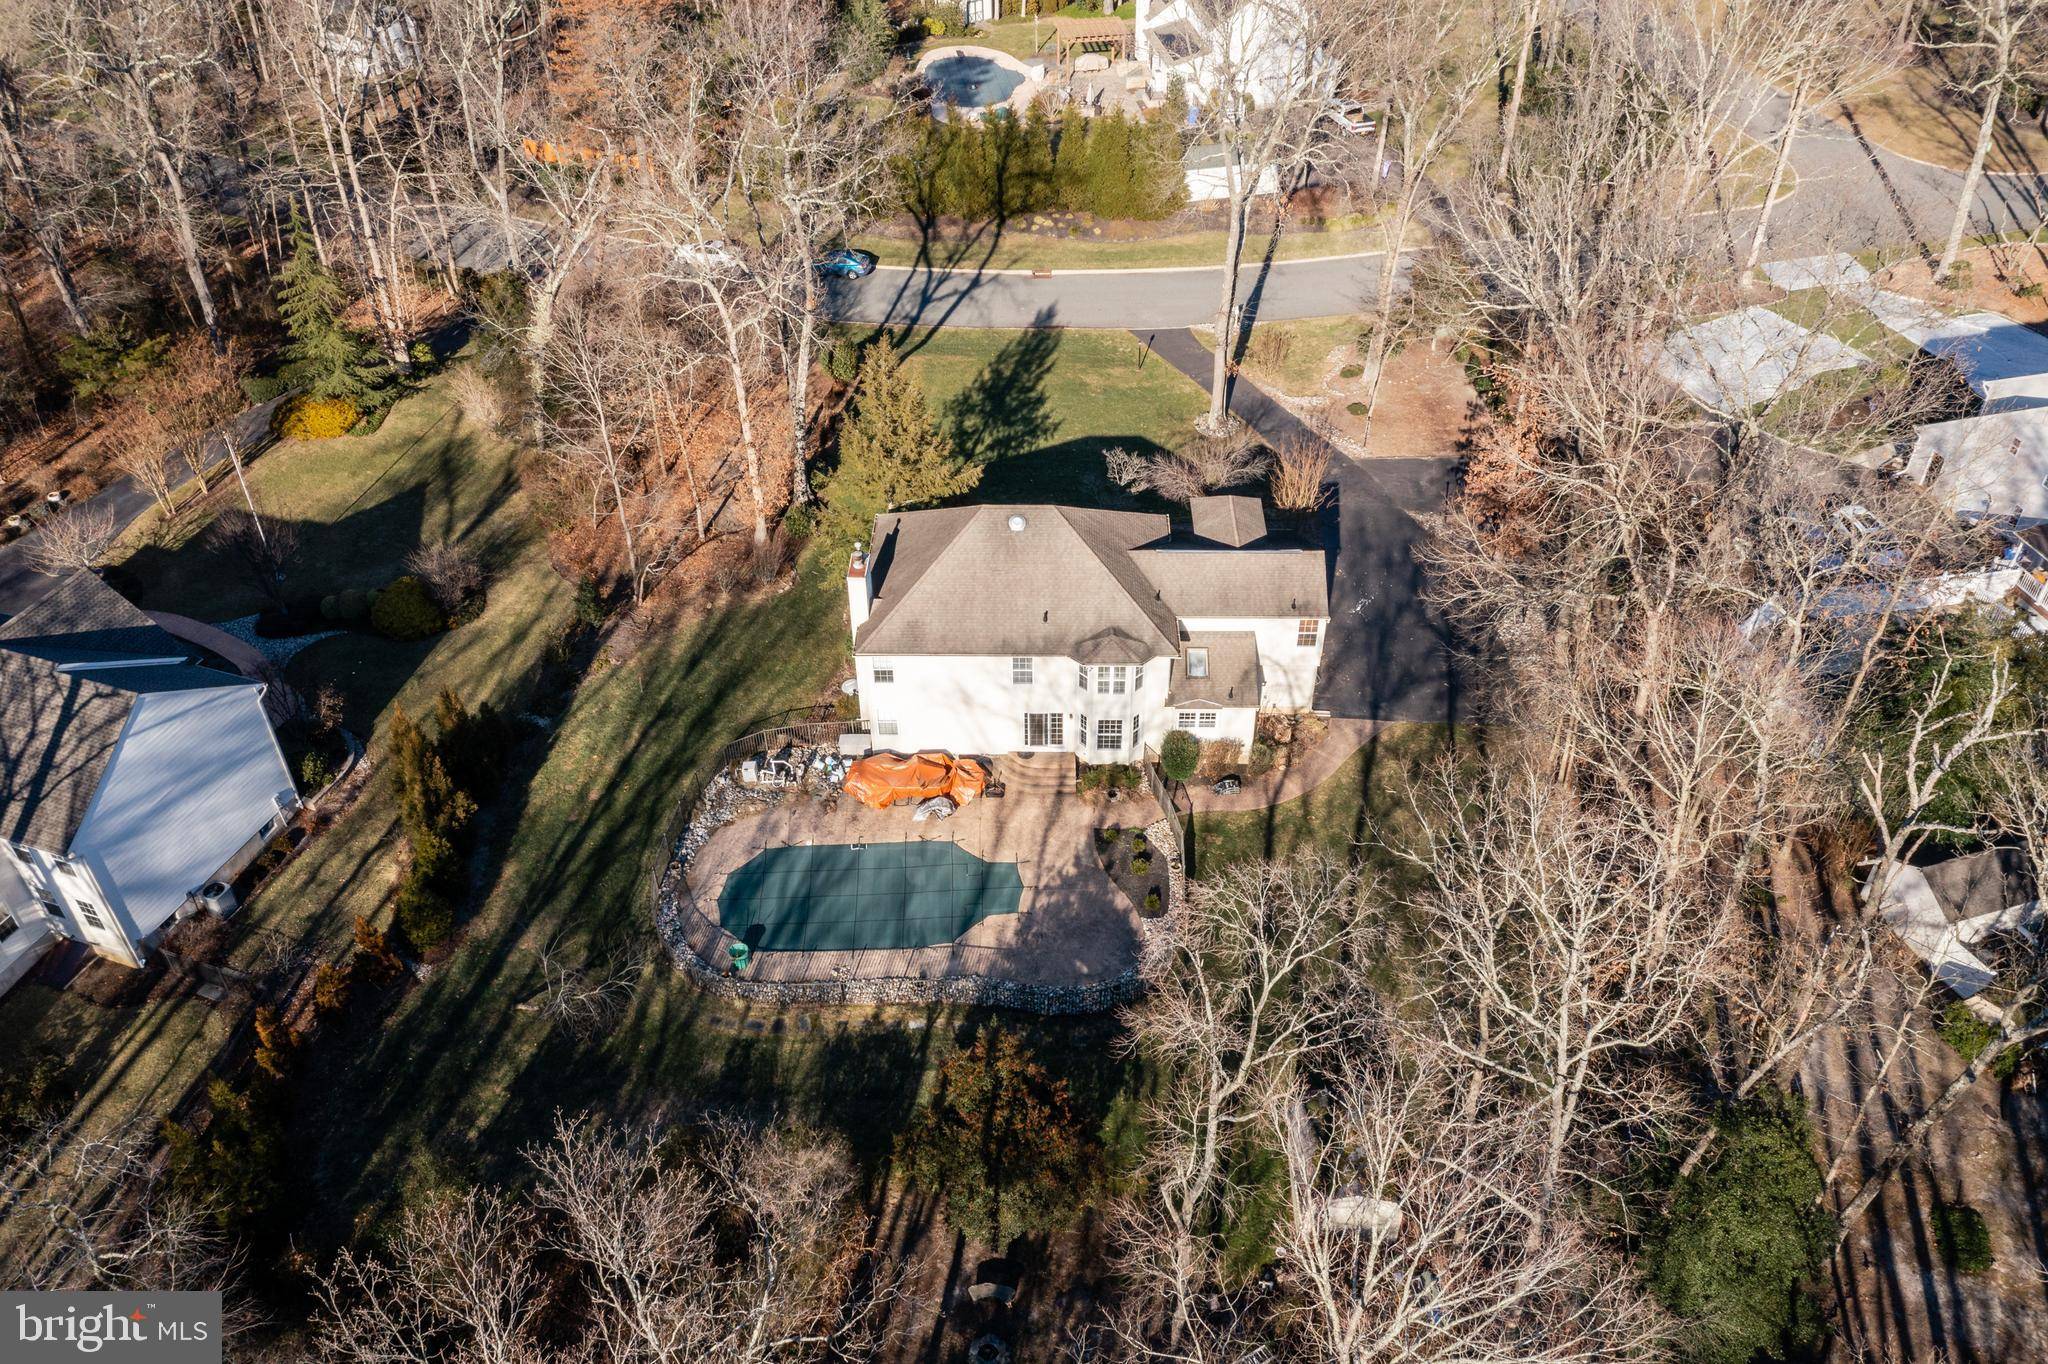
(1072, 925)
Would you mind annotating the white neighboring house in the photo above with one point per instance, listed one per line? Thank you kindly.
(130, 776)
(1948, 911)
(1993, 465)
(999, 629)
(1194, 40)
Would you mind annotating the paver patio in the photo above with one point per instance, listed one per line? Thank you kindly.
(1072, 925)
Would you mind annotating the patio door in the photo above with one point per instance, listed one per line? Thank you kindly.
(1045, 729)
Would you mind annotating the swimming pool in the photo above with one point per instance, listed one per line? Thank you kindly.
(846, 897)
(971, 81)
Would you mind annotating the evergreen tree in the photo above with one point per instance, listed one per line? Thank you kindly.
(326, 355)
(867, 36)
(892, 453)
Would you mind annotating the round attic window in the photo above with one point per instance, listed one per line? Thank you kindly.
(1016, 522)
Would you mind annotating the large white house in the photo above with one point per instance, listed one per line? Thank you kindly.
(1197, 41)
(130, 776)
(999, 629)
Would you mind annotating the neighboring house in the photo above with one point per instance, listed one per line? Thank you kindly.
(1994, 465)
(1197, 42)
(130, 776)
(1001, 629)
(1948, 913)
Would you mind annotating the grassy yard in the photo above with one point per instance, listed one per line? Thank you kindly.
(1287, 357)
(1040, 407)
(985, 247)
(1365, 800)
(456, 1080)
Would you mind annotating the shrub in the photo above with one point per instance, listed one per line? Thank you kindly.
(1107, 777)
(1140, 865)
(1357, 409)
(351, 606)
(424, 915)
(315, 771)
(261, 388)
(1960, 276)
(1138, 843)
(482, 399)
(406, 610)
(1108, 838)
(590, 607)
(2033, 290)
(110, 359)
(1968, 1035)
(799, 522)
(1964, 1240)
(375, 958)
(309, 418)
(274, 855)
(449, 571)
(842, 360)
(1299, 467)
(29, 1093)
(1258, 759)
(1742, 1243)
(1351, 372)
(235, 1167)
(1152, 898)
(998, 1141)
(331, 986)
(1179, 754)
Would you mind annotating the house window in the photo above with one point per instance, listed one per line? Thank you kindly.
(885, 728)
(1020, 671)
(1109, 735)
(91, 916)
(1205, 719)
(1112, 681)
(1138, 678)
(1305, 633)
(1044, 730)
(7, 927)
(884, 676)
(1082, 732)
(1084, 677)
(1195, 719)
(1198, 663)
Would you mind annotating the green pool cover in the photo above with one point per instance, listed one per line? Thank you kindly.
(843, 897)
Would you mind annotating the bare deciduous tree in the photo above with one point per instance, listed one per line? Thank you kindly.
(1997, 43)
(75, 538)
(1205, 464)
(264, 546)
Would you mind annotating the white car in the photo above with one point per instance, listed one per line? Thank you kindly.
(1353, 117)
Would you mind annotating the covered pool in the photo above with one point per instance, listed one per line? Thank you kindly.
(839, 897)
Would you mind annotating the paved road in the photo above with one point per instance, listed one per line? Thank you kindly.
(21, 586)
(960, 295)
(1850, 195)
(1387, 656)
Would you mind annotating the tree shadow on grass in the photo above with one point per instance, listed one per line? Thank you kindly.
(1005, 411)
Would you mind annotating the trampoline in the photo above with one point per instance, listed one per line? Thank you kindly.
(842, 897)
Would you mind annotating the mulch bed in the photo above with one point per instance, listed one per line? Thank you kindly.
(1120, 851)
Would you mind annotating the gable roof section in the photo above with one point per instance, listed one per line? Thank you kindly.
(1233, 679)
(1233, 521)
(65, 699)
(961, 580)
(1237, 584)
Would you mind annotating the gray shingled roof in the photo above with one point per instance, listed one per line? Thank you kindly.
(1981, 883)
(1238, 583)
(59, 727)
(962, 581)
(1233, 678)
(1071, 580)
(1233, 521)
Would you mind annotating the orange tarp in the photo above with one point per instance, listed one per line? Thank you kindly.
(885, 778)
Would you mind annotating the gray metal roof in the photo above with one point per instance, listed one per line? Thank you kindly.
(63, 706)
(1233, 679)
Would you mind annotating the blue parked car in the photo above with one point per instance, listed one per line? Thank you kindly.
(848, 263)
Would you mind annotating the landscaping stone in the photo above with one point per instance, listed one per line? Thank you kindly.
(276, 652)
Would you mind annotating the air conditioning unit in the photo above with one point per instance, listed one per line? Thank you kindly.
(219, 897)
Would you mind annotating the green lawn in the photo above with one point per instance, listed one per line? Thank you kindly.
(1816, 310)
(1287, 357)
(1040, 407)
(1363, 801)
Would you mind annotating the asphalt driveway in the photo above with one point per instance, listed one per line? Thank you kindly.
(1387, 655)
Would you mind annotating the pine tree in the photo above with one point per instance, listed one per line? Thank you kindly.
(326, 355)
(892, 453)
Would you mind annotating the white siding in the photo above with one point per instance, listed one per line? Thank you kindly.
(68, 884)
(34, 929)
(1287, 670)
(1231, 723)
(197, 775)
(969, 704)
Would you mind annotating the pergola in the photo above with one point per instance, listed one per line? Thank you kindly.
(1074, 35)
